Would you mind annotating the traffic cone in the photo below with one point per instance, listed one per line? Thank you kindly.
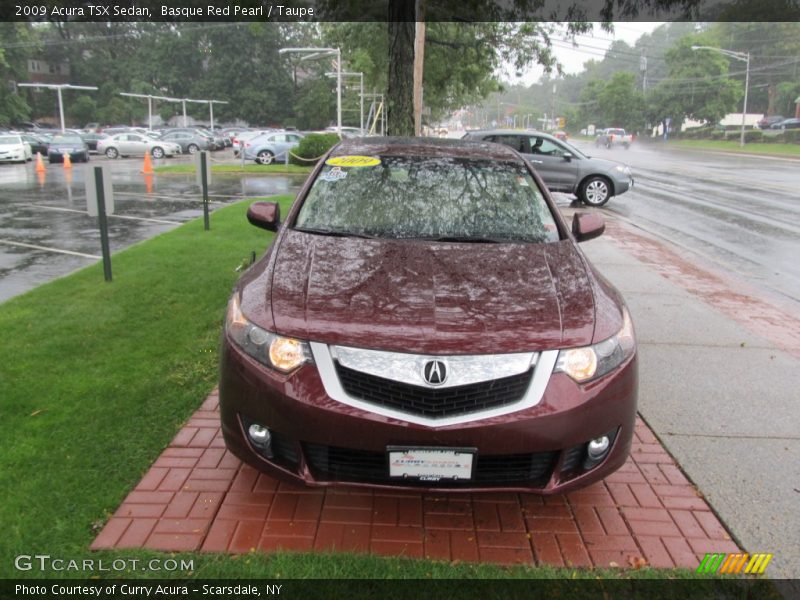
(41, 176)
(67, 162)
(148, 164)
(148, 184)
(39, 163)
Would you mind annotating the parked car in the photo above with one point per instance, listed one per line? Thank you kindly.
(189, 141)
(245, 136)
(271, 146)
(788, 124)
(135, 144)
(37, 143)
(91, 140)
(563, 167)
(213, 143)
(768, 122)
(67, 144)
(613, 137)
(13, 148)
(451, 334)
(561, 135)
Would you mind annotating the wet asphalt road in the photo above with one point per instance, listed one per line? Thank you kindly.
(741, 212)
(45, 232)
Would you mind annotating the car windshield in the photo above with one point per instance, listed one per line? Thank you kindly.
(448, 199)
(67, 139)
(9, 139)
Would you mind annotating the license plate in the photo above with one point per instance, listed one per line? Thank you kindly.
(431, 464)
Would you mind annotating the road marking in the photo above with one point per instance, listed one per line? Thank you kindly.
(83, 212)
(46, 249)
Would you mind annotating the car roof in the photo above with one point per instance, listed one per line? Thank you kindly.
(422, 146)
(509, 132)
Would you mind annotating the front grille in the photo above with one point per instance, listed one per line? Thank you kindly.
(434, 403)
(330, 463)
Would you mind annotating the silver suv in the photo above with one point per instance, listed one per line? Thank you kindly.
(563, 167)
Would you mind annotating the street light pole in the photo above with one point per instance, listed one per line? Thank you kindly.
(316, 53)
(744, 57)
(58, 88)
(360, 75)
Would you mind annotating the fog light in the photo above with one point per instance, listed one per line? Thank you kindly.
(598, 447)
(259, 435)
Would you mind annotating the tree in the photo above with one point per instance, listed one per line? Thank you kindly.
(14, 108)
(620, 103)
(698, 86)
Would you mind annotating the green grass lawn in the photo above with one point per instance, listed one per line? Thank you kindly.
(237, 169)
(791, 150)
(95, 380)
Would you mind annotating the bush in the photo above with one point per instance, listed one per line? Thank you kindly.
(753, 135)
(717, 134)
(791, 136)
(312, 147)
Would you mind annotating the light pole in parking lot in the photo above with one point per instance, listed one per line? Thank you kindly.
(210, 108)
(149, 104)
(312, 53)
(58, 88)
(744, 57)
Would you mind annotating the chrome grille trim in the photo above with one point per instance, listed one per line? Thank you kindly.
(324, 359)
(407, 368)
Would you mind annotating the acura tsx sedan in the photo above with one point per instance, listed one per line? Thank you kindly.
(426, 319)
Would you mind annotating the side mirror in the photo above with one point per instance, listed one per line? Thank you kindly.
(266, 215)
(568, 156)
(587, 226)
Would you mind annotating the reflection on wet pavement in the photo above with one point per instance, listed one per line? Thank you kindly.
(45, 232)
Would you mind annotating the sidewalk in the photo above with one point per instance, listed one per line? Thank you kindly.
(720, 399)
(719, 384)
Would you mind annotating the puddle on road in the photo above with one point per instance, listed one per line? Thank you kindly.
(51, 213)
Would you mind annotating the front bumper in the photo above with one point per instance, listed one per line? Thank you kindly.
(318, 441)
(73, 156)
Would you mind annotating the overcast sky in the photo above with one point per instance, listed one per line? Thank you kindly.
(590, 46)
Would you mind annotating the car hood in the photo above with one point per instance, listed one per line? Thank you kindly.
(430, 298)
(604, 164)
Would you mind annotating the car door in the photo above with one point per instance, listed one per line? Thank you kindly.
(555, 163)
(279, 145)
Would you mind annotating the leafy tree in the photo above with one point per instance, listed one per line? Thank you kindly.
(621, 104)
(14, 108)
(82, 110)
(698, 86)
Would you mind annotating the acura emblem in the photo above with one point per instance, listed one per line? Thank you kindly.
(435, 372)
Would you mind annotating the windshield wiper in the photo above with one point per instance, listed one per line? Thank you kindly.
(333, 232)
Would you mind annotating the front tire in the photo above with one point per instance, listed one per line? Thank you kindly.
(265, 157)
(112, 153)
(157, 152)
(192, 148)
(595, 191)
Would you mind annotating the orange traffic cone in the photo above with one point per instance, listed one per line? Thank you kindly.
(39, 163)
(148, 184)
(41, 176)
(148, 165)
(67, 162)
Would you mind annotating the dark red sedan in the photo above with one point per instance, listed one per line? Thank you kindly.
(426, 319)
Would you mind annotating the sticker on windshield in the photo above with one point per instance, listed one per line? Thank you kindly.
(335, 174)
(353, 161)
(523, 182)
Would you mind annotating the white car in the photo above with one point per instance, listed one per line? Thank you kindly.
(136, 144)
(14, 149)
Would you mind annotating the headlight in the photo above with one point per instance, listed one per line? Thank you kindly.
(590, 362)
(281, 353)
(623, 169)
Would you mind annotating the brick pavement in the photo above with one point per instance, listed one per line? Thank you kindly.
(198, 496)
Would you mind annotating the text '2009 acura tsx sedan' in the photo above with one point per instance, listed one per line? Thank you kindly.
(425, 319)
